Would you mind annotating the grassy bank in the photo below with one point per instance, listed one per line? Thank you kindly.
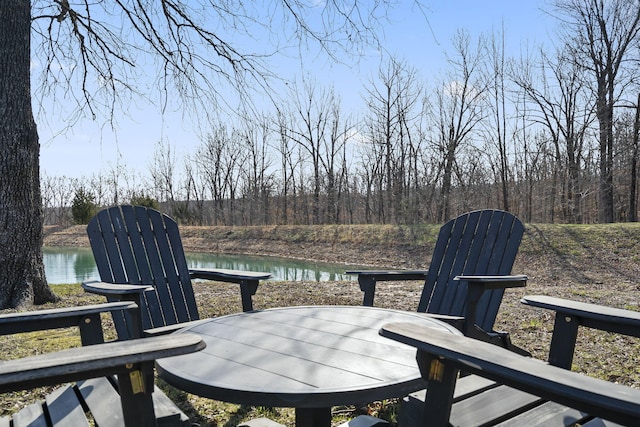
(594, 263)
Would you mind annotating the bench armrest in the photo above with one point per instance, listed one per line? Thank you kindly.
(572, 314)
(93, 361)
(441, 355)
(367, 280)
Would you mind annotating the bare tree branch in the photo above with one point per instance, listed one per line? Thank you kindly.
(102, 53)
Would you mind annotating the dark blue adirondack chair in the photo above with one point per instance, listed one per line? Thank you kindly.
(110, 381)
(139, 255)
(469, 271)
(507, 389)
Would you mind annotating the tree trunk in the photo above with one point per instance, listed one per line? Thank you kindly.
(22, 278)
(606, 165)
(445, 191)
(633, 202)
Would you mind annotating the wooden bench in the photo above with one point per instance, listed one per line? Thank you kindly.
(521, 390)
(132, 399)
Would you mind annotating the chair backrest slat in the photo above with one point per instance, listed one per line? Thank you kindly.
(139, 245)
(172, 278)
(512, 233)
(138, 254)
(462, 249)
(483, 242)
(185, 289)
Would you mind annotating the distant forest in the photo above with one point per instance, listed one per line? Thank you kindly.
(551, 136)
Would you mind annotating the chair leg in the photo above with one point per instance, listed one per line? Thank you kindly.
(368, 286)
(248, 288)
(136, 388)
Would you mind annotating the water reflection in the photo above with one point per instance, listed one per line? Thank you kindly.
(69, 265)
(73, 265)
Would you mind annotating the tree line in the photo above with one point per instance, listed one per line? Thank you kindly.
(551, 136)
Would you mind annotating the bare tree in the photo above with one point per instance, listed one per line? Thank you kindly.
(457, 111)
(162, 170)
(287, 166)
(393, 104)
(220, 157)
(312, 116)
(496, 129)
(257, 179)
(194, 189)
(633, 169)
(602, 35)
(57, 193)
(334, 160)
(95, 53)
(560, 102)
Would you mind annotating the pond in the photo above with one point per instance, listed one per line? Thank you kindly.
(74, 265)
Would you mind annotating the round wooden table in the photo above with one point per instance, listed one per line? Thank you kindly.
(310, 358)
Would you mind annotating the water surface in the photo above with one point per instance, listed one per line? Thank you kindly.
(74, 265)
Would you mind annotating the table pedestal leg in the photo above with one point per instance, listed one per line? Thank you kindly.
(313, 417)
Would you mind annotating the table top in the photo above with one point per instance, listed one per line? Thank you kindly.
(303, 357)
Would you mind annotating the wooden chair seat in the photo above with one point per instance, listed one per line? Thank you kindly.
(65, 407)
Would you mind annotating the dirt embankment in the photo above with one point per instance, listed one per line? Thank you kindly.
(600, 256)
(226, 240)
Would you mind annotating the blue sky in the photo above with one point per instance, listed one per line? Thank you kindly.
(93, 146)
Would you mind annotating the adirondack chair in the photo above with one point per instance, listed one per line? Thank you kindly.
(131, 400)
(139, 255)
(518, 391)
(469, 271)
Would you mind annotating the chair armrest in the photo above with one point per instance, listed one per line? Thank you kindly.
(390, 275)
(495, 282)
(86, 318)
(121, 291)
(476, 286)
(248, 281)
(597, 397)
(29, 321)
(230, 276)
(367, 280)
(594, 316)
(572, 314)
(92, 361)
